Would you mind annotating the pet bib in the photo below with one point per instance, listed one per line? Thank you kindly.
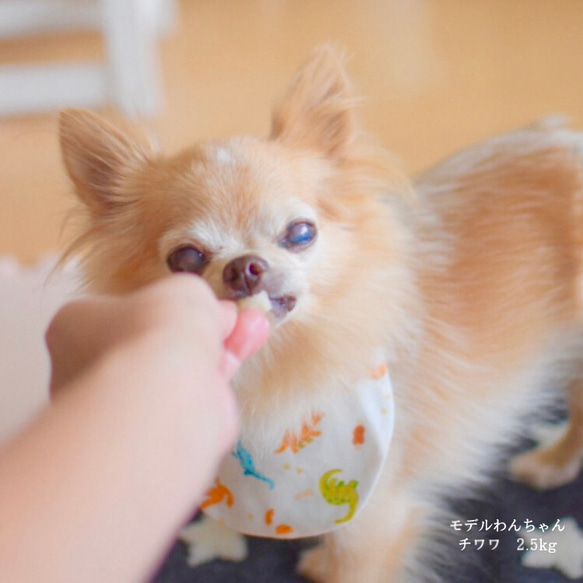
(317, 477)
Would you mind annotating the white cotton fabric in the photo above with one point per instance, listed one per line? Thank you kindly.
(317, 477)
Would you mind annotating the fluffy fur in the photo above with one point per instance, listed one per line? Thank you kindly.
(470, 279)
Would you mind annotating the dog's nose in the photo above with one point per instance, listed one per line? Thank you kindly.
(244, 274)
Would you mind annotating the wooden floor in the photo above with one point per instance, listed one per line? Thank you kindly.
(436, 74)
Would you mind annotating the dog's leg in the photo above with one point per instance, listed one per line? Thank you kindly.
(372, 549)
(556, 463)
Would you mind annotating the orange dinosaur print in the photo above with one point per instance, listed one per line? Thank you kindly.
(308, 433)
(358, 435)
(379, 372)
(280, 529)
(217, 494)
(305, 494)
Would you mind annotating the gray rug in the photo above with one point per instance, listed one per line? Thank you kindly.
(497, 561)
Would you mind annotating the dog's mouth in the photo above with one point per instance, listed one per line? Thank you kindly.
(275, 307)
(282, 305)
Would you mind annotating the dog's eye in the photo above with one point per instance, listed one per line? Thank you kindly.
(299, 235)
(186, 260)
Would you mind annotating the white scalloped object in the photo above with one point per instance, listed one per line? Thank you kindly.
(29, 297)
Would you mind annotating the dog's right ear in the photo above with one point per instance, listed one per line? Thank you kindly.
(98, 157)
(318, 111)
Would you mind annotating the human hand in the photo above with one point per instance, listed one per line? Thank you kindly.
(142, 414)
(177, 318)
(86, 329)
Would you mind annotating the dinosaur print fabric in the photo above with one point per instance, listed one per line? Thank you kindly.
(317, 476)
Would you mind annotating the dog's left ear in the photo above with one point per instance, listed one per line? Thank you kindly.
(98, 157)
(318, 111)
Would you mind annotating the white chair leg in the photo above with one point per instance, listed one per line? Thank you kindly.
(133, 67)
(163, 15)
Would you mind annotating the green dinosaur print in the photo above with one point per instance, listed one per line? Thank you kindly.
(338, 493)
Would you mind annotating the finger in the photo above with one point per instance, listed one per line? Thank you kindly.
(248, 336)
(228, 317)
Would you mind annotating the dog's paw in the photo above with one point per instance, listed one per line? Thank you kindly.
(312, 565)
(541, 470)
(207, 540)
(549, 465)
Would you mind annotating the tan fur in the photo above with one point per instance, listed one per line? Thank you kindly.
(472, 286)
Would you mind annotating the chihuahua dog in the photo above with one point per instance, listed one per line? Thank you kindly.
(468, 278)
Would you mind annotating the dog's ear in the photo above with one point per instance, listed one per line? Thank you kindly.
(318, 111)
(98, 157)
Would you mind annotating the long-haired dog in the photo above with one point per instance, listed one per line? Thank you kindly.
(469, 279)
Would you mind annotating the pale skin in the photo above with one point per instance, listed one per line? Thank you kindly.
(96, 488)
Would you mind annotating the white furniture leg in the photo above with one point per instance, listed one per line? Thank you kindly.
(128, 79)
(133, 68)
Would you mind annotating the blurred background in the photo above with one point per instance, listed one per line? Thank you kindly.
(436, 75)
